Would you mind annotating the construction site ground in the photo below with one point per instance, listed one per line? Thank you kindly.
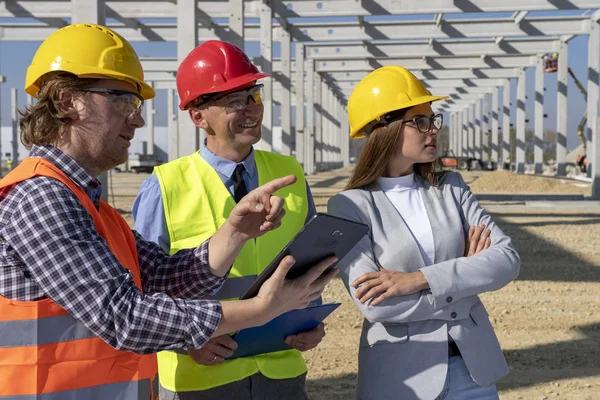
(547, 321)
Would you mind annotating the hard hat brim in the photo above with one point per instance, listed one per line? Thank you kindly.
(357, 133)
(230, 85)
(146, 91)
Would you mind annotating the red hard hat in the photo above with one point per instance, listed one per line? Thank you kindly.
(214, 67)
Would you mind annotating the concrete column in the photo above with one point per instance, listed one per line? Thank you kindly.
(299, 103)
(593, 133)
(286, 94)
(330, 128)
(338, 133)
(485, 135)
(477, 130)
(173, 134)
(187, 40)
(14, 106)
(520, 142)
(596, 170)
(495, 116)
(320, 123)
(149, 105)
(88, 11)
(457, 132)
(451, 132)
(506, 122)
(561, 109)
(266, 53)
(309, 137)
(345, 137)
(538, 141)
(471, 134)
(455, 139)
(236, 22)
(465, 133)
(94, 12)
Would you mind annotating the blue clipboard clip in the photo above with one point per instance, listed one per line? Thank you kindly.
(270, 337)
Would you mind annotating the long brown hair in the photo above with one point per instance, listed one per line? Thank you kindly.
(380, 147)
(43, 122)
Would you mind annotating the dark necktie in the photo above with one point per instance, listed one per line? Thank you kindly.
(239, 187)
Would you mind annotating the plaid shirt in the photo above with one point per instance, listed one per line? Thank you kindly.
(49, 247)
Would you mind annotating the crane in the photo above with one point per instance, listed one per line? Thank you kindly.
(551, 65)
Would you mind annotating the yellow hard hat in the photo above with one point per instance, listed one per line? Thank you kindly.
(384, 90)
(88, 51)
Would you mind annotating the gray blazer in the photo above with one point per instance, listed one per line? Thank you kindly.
(404, 342)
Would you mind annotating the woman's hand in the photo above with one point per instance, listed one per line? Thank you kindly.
(385, 284)
(478, 239)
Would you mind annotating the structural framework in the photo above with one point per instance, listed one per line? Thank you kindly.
(473, 58)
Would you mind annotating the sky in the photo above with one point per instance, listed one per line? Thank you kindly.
(16, 56)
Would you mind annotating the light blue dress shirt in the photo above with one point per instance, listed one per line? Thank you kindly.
(148, 211)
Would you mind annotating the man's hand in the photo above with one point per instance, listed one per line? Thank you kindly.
(259, 211)
(307, 340)
(215, 351)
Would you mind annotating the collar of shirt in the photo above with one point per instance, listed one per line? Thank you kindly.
(226, 167)
(71, 168)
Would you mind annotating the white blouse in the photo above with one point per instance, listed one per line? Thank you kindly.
(404, 195)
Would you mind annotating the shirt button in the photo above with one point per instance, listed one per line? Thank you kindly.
(27, 274)
(453, 315)
(449, 299)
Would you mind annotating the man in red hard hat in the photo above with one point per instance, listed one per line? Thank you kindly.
(186, 199)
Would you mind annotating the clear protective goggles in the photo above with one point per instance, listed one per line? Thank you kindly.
(239, 100)
(124, 101)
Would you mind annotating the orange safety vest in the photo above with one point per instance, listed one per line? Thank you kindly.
(45, 351)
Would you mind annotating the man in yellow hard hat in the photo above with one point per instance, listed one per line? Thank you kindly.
(219, 87)
(84, 300)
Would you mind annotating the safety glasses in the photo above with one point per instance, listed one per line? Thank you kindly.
(424, 124)
(239, 100)
(126, 102)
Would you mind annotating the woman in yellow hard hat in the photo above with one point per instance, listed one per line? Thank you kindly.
(417, 276)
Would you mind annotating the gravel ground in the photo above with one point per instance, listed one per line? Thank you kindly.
(547, 321)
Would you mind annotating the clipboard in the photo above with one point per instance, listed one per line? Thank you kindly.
(270, 337)
(323, 236)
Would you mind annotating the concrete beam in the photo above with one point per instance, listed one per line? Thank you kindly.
(432, 48)
(327, 31)
(294, 8)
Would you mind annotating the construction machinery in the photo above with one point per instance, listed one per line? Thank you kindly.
(449, 160)
(551, 65)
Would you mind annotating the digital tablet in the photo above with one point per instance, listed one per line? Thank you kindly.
(323, 236)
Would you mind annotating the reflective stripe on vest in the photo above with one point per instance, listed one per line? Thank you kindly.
(61, 328)
(195, 207)
(45, 353)
(141, 390)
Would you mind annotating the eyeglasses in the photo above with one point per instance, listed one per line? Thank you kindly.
(239, 100)
(424, 124)
(126, 102)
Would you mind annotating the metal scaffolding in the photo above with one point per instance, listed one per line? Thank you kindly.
(473, 59)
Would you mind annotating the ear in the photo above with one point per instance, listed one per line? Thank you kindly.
(66, 104)
(198, 117)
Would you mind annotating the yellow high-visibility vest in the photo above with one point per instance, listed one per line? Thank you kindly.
(196, 204)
